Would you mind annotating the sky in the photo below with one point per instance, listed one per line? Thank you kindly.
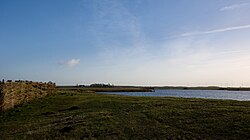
(126, 42)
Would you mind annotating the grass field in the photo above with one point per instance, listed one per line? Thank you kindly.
(74, 115)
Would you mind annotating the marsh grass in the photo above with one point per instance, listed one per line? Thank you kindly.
(73, 115)
(104, 89)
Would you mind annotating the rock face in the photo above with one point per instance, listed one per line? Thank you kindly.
(15, 93)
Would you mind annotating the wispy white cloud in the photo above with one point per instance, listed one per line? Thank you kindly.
(235, 6)
(70, 63)
(216, 31)
(112, 17)
(216, 61)
(119, 32)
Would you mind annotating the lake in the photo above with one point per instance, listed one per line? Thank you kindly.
(206, 94)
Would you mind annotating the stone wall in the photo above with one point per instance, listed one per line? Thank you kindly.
(15, 93)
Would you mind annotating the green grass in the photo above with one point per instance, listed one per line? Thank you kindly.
(71, 115)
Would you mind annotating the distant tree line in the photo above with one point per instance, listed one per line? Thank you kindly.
(101, 85)
(80, 85)
(95, 85)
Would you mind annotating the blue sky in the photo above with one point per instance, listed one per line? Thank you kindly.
(126, 42)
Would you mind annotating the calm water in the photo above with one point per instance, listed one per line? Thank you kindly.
(208, 94)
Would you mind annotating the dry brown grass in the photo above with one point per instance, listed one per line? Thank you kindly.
(16, 93)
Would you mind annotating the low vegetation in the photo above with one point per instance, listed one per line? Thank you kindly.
(105, 89)
(78, 115)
